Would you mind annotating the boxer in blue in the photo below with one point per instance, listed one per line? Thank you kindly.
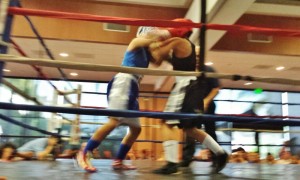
(123, 92)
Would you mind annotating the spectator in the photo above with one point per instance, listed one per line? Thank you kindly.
(130, 156)
(96, 153)
(239, 155)
(253, 157)
(285, 158)
(107, 154)
(7, 152)
(295, 160)
(204, 155)
(68, 153)
(269, 159)
(40, 149)
(146, 154)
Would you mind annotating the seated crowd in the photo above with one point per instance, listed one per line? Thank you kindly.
(37, 149)
(239, 155)
(50, 149)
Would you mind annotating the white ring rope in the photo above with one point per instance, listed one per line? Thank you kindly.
(143, 71)
(3, 13)
(21, 93)
(6, 44)
(28, 97)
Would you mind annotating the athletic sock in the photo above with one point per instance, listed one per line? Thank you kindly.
(211, 144)
(123, 150)
(171, 150)
(91, 145)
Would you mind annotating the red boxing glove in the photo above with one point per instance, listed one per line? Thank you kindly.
(182, 31)
(179, 32)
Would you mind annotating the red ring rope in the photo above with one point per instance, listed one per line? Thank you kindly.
(151, 22)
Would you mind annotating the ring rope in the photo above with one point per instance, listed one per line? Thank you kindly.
(97, 18)
(266, 116)
(18, 123)
(3, 43)
(42, 42)
(157, 141)
(141, 94)
(8, 119)
(28, 97)
(159, 115)
(20, 92)
(237, 77)
(143, 71)
(151, 22)
(240, 28)
(245, 77)
(255, 102)
(39, 71)
(255, 130)
(236, 115)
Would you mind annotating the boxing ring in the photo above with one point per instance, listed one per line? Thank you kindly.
(65, 169)
(68, 169)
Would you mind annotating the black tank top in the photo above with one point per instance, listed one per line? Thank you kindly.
(185, 64)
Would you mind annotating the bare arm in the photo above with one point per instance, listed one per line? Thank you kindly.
(42, 155)
(139, 42)
(179, 46)
(51, 144)
(209, 98)
(153, 33)
(160, 44)
(159, 34)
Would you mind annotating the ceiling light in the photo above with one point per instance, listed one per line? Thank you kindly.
(209, 63)
(6, 70)
(248, 83)
(74, 74)
(64, 54)
(279, 68)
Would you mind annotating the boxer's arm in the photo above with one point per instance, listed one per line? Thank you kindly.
(139, 42)
(153, 33)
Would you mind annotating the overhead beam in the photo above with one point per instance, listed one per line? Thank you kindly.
(274, 9)
(228, 13)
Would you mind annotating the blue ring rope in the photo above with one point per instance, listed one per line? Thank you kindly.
(158, 115)
(18, 123)
(39, 37)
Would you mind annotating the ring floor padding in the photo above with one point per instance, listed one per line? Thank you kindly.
(65, 169)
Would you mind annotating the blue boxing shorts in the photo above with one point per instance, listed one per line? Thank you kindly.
(123, 91)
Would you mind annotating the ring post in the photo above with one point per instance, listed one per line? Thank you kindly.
(8, 23)
(202, 36)
(8, 19)
(1, 70)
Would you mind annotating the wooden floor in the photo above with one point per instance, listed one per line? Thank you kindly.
(66, 169)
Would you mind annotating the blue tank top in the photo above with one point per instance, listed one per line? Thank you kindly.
(136, 58)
